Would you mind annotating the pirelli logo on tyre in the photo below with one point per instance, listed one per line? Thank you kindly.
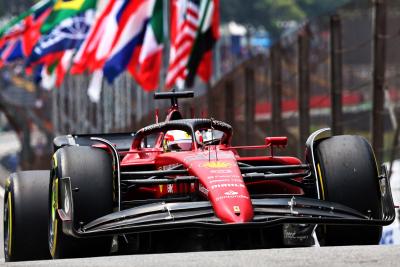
(216, 165)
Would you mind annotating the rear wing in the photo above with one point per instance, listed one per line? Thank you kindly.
(173, 95)
(121, 141)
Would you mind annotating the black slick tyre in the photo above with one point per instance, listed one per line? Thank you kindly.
(348, 174)
(26, 216)
(91, 174)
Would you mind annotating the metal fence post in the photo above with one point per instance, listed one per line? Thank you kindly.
(379, 54)
(55, 110)
(250, 103)
(210, 101)
(276, 87)
(230, 103)
(304, 85)
(62, 99)
(336, 75)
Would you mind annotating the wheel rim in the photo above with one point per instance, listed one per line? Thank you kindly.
(53, 218)
(8, 226)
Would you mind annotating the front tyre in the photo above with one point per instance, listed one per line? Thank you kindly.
(348, 174)
(91, 174)
(26, 216)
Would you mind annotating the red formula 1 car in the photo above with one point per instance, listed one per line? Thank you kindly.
(179, 185)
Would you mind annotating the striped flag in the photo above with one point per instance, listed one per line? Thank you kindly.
(107, 40)
(146, 69)
(132, 23)
(194, 31)
(200, 60)
(21, 34)
(184, 25)
(92, 53)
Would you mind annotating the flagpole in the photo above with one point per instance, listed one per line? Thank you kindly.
(166, 9)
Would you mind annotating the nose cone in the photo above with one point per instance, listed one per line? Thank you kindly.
(226, 189)
(233, 210)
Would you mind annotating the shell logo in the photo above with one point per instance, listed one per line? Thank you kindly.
(216, 164)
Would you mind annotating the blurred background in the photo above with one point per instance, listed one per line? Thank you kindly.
(281, 67)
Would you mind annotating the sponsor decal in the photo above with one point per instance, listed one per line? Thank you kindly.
(168, 167)
(66, 202)
(195, 157)
(227, 185)
(152, 127)
(221, 171)
(236, 209)
(216, 164)
(203, 190)
(298, 234)
(207, 156)
(170, 188)
(231, 193)
(226, 176)
(231, 197)
(220, 181)
(235, 177)
(227, 180)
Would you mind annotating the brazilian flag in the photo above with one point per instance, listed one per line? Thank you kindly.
(63, 9)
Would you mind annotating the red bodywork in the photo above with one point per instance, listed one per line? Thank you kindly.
(216, 166)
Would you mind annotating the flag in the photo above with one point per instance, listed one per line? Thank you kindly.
(200, 60)
(94, 90)
(184, 24)
(63, 9)
(69, 34)
(132, 23)
(32, 34)
(9, 51)
(48, 78)
(106, 42)
(22, 33)
(194, 31)
(38, 8)
(92, 53)
(63, 66)
(48, 73)
(146, 69)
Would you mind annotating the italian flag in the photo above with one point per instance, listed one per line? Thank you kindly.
(146, 68)
(200, 60)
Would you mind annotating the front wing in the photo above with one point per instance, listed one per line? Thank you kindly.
(267, 212)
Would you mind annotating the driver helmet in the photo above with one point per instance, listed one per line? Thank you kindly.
(177, 140)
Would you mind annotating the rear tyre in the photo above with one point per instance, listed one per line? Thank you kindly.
(26, 216)
(91, 174)
(348, 174)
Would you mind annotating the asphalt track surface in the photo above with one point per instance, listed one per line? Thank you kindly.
(314, 256)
